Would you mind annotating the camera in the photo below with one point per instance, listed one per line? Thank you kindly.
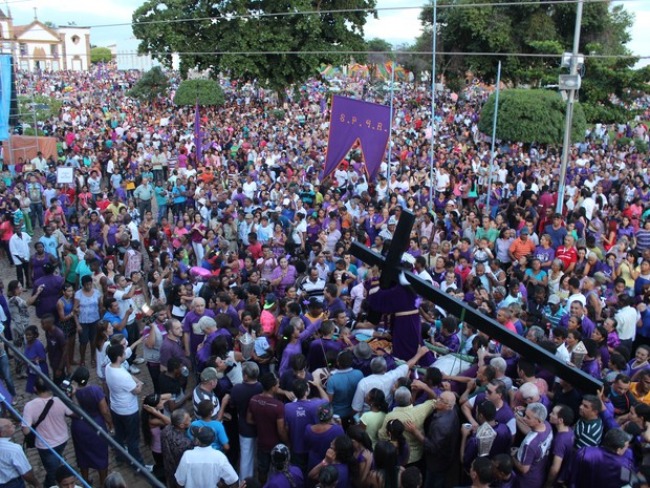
(66, 386)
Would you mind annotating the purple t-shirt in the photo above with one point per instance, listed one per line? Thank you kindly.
(534, 452)
(318, 444)
(595, 466)
(563, 448)
(544, 255)
(190, 327)
(240, 397)
(55, 346)
(297, 415)
(51, 293)
(500, 445)
(279, 480)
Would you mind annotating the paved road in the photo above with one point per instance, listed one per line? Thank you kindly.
(8, 273)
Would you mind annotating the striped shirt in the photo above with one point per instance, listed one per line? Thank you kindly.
(588, 432)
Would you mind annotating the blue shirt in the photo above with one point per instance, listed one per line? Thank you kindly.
(342, 385)
(220, 438)
(51, 245)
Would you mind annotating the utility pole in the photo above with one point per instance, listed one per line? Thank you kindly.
(570, 83)
(434, 35)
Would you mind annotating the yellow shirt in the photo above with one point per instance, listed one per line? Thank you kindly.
(639, 396)
(417, 415)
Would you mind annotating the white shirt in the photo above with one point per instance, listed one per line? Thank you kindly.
(626, 319)
(202, 467)
(120, 386)
(382, 381)
(13, 462)
(19, 246)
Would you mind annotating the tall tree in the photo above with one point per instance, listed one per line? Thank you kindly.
(535, 29)
(258, 40)
(153, 84)
(100, 55)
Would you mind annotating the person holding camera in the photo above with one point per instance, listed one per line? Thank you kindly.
(47, 415)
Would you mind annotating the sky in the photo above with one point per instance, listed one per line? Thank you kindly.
(395, 26)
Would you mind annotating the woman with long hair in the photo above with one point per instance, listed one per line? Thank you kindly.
(68, 322)
(362, 448)
(100, 344)
(152, 421)
(282, 473)
(395, 430)
(374, 418)
(91, 449)
(386, 470)
(340, 455)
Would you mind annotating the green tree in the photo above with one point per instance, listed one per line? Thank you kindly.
(206, 92)
(41, 106)
(153, 84)
(241, 29)
(531, 116)
(536, 29)
(100, 55)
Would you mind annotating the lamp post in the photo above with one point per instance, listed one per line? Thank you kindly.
(434, 35)
(570, 83)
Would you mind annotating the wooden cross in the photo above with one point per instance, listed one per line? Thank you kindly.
(390, 267)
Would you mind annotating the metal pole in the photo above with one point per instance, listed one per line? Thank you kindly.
(494, 137)
(434, 42)
(390, 137)
(566, 146)
(81, 413)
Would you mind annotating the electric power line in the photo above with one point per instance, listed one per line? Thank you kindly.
(413, 53)
(257, 16)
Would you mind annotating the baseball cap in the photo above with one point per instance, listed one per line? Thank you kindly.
(554, 299)
(209, 374)
(270, 301)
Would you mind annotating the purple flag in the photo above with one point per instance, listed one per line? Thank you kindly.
(353, 120)
(198, 142)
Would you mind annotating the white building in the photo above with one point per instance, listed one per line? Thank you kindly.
(37, 46)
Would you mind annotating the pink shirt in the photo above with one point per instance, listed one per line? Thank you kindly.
(54, 428)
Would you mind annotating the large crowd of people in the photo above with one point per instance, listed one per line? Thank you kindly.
(272, 357)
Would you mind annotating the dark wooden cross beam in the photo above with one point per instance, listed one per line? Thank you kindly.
(390, 267)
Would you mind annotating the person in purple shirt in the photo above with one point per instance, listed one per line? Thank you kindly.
(340, 455)
(299, 414)
(295, 333)
(578, 310)
(319, 348)
(561, 418)
(606, 465)
(222, 321)
(591, 365)
(448, 337)
(192, 333)
(283, 474)
(52, 286)
(55, 345)
(531, 458)
(224, 305)
(469, 446)
(332, 301)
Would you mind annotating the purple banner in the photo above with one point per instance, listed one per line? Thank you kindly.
(198, 140)
(353, 120)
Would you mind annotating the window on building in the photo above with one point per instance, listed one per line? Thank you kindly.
(75, 39)
(54, 50)
(23, 49)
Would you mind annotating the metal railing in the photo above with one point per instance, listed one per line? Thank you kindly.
(80, 412)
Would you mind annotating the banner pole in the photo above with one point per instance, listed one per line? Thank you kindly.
(390, 126)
